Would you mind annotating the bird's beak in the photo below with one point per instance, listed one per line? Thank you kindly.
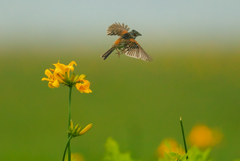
(140, 34)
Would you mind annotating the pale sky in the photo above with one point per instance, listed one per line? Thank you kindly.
(88, 18)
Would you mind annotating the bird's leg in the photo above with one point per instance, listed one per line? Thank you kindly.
(118, 53)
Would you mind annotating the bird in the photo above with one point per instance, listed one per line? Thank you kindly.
(126, 43)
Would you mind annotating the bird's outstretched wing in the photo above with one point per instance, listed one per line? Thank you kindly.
(117, 29)
(133, 49)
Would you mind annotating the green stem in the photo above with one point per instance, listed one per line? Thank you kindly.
(185, 145)
(64, 153)
(69, 119)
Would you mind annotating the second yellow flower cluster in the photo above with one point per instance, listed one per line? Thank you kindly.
(77, 131)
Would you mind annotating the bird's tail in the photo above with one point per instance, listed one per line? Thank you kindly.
(105, 55)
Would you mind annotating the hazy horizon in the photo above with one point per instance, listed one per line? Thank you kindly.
(86, 21)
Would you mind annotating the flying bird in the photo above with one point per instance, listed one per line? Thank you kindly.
(126, 43)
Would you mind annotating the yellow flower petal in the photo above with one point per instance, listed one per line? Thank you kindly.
(71, 65)
(71, 125)
(81, 77)
(59, 75)
(47, 79)
(50, 85)
(48, 73)
(60, 66)
(54, 84)
(85, 129)
(84, 88)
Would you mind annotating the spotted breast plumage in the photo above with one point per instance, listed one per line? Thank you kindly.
(126, 43)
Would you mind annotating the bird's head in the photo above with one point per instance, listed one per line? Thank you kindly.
(134, 34)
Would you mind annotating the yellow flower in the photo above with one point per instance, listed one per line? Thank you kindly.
(169, 145)
(58, 75)
(61, 75)
(52, 81)
(203, 137)
(62, 69)
(75, 157)
(84, 87)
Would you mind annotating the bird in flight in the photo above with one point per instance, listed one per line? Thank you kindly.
(126, 43)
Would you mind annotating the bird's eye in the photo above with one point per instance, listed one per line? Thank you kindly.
(134, 34)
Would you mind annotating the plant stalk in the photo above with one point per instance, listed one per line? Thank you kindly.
(69, 119)
(185, 145)
(66, 147)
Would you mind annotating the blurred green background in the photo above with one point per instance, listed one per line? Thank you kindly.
(194, 74)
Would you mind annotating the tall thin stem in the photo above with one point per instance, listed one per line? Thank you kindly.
(66, 147)
(69, 120)
(185, 145)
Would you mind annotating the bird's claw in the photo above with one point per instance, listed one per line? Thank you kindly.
(118, 53)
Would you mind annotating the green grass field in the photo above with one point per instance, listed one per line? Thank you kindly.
(136, 103)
